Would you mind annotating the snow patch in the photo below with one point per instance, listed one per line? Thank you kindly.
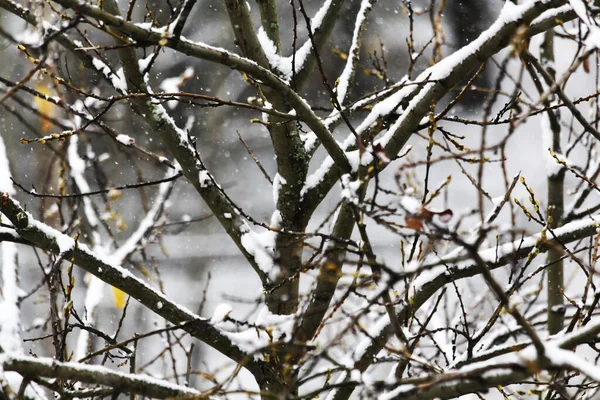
(6, 184)
(173, 85)
(204, 178)
(278, 182)
(10, 316)
(221, 312)
(350, 188)
(262, 245)
(125, 139)
(116, 80)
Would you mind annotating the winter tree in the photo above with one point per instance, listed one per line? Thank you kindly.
(418, 244)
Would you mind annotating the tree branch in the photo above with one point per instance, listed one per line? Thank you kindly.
(433, 85)
(437, 274)
(119, 381)
(51, 240)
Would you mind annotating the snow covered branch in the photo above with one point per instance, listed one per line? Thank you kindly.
(504, 370)
(48, 239)
(421, 126)
(119, 382)
(430, 278)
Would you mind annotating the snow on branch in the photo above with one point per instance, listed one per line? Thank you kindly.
(505, 369)
(347, 75)
(335, 282)
(146, 225)
(435, 275)
(446, 73)
(78, 167)
(6, 184)
(178, 141)
(267, 329)
(261, 246)
(117, 79)
(10, 316)
(222, 56)
(434, 82)
(49, 239)
(10, 310)
(593, 38)
(96, 286)
(95, 374)
(300, 60)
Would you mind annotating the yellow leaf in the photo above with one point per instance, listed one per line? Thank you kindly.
(340, 54)
(121, 225)
(114, 194)
(45, 107)
(119, 297)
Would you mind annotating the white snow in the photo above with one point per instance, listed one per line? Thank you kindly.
(565, 358)
(510, 13)
(353, 53)
(350, 188)
(10, 313)
(93, 297)
(173, 85)
(354, 159)
(315, 178)
(29, 37)
(491, 254)
(95, 290)
(411, 205)
(108, 263)
(262, 245)
(593, 38)
(309, 139)
(221, 311)
(64, 242)
(278, 182)
(14, 381)
(317, 20)
(373, 332)
(9, 231)
(145, 226)
(275, 60)
(160, 114)
(7, 358)
(268, 328)
(366, 157)
(339, 381)
(78, 166)
(10, 316)
(204, 178)
(117, 81)
(284, 64)
(555, 353)
(385, 107)
(103, 157)
(144, 62)
(6, 184)
(125, 139)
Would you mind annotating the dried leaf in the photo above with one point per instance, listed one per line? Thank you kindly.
(119, 298)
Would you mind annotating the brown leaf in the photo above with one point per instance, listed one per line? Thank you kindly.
(586, 65)
(414, 222)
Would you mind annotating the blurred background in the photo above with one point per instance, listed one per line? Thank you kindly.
(191, 257)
